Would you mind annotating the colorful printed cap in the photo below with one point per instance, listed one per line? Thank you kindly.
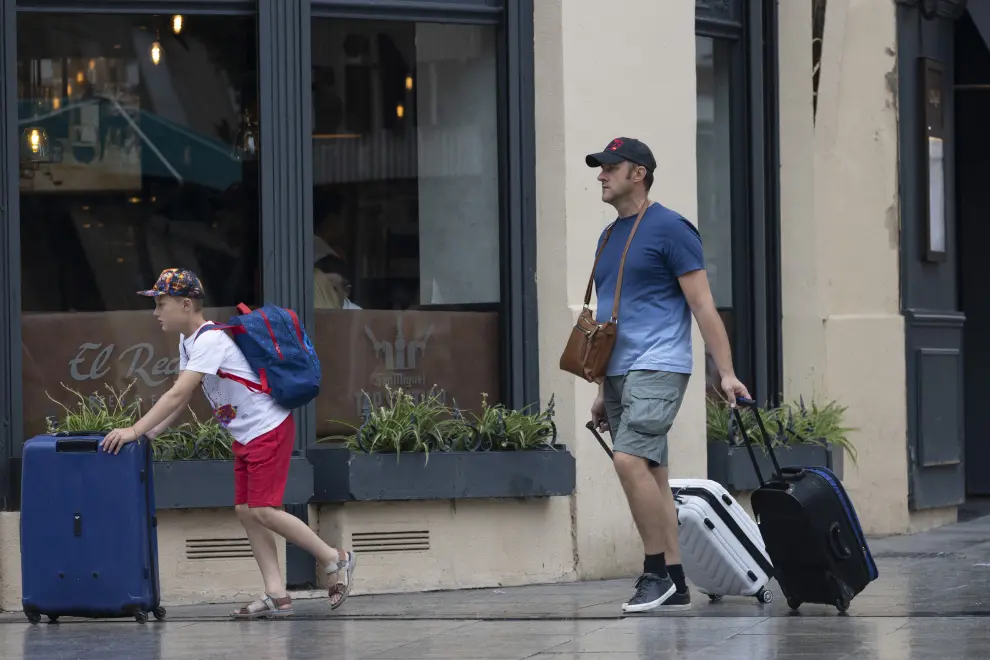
(177, 282)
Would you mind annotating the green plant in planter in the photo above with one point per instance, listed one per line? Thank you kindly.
(789, 424)
(504, 429)
(97, 412)
(402, 425)
(820, 424)
(405, 425)
(718, 418)
(193, 440)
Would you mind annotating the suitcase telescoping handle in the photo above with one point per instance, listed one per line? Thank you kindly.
(591, 427)
(767, 440)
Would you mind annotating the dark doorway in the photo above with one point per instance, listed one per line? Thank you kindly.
(972, 102)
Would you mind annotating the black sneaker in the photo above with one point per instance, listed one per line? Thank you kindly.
(679, 601)
(652, 591)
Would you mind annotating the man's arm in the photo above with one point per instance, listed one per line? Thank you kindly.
(698, 293)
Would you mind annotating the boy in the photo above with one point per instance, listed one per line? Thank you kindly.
(264, 435)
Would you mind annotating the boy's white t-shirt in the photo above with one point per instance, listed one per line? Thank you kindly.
(245, 413)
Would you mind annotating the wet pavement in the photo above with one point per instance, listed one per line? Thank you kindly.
(931, 601)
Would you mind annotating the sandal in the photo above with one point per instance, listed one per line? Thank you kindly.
(342, 587)
(273, 608)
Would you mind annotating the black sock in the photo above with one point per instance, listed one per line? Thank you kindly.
(655, 564)
(677, 575)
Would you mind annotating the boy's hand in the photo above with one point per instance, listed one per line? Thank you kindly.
(118, 438)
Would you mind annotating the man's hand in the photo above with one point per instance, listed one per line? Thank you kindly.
(734, 389)
(118, 438)
(598, 417)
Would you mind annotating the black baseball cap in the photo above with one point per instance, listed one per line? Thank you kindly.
(620, 149)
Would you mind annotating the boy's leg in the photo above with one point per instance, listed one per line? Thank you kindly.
(268, 470)
(263, 547)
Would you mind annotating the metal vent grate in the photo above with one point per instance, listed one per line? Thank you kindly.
(236, 548)
(398, 541)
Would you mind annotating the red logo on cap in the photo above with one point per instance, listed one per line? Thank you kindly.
(614, 144)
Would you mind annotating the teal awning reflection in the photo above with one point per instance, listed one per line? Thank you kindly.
(168, 150)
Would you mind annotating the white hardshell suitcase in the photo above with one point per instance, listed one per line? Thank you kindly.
(722, 550)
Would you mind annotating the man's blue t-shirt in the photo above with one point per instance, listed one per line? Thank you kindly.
(654, 330)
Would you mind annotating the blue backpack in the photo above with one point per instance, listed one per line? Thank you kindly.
(277, 347)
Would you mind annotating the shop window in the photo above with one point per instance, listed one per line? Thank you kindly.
(406, 212)
(715, 182)
(130, 164)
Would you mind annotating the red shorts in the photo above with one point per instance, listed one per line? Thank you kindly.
(261, 467)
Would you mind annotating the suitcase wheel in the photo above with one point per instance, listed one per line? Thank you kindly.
(52, 618)
(33, 617)
(715, 598)
(159, 613)
(765, 596)
(141, 617)
(793, 603)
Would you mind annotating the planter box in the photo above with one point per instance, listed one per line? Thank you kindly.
(733, 468)
(340, 475)
(209, 484)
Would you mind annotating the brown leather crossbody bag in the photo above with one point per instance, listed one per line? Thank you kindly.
(590, 344)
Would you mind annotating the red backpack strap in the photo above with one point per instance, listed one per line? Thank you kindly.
(261, 388)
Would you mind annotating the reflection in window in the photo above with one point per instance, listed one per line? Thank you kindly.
(715, 176)
(406, 211)
(138, 173)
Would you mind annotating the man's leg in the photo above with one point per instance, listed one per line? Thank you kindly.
(645, 502)
(633, 452)
(672, 552)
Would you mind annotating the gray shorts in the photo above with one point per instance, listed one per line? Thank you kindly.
(641, 407)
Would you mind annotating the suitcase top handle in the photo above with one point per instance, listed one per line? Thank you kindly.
(77, 445)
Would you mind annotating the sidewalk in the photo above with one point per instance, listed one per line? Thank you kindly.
(932, 601)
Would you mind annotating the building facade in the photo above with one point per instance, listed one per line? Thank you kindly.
(410, 177)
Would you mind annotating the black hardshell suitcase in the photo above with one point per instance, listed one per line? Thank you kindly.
(810, 529)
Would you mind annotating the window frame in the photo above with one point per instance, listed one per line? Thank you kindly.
(750, 27)
(517, 307)
(287, 278)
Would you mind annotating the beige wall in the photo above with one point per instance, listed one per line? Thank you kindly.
(448, 544)
(590, 89)
(843, 333)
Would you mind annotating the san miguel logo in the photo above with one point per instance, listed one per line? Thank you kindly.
(400, 363)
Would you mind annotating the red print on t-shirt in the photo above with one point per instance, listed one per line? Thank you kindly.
(225, 414)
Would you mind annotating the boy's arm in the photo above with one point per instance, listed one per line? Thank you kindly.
(171, 403)
(169, 421)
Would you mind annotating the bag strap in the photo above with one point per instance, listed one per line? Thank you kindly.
(594, 267)
(622, 262)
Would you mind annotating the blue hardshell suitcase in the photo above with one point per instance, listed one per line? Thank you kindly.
(89, 538)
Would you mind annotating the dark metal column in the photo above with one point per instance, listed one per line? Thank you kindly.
(285, 122)
(933, 322)
(10, 262)
(522, 344)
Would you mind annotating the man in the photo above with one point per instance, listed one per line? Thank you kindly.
(664, 282)
(264, 435)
